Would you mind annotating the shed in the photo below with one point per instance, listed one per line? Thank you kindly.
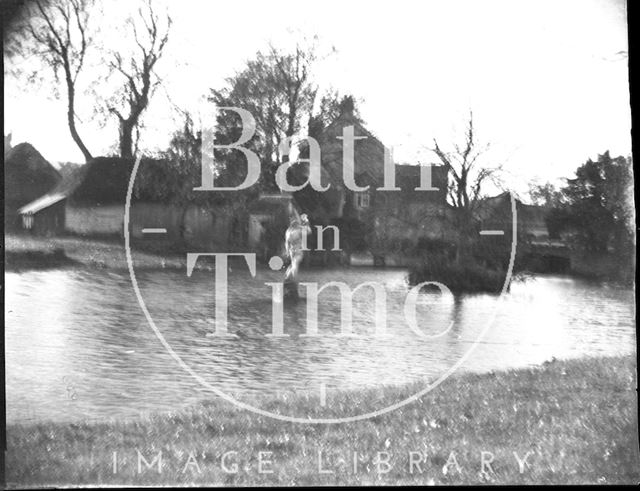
(27, 176)
(44, 216)
(88, 201)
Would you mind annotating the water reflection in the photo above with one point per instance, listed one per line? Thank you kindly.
(78, 346)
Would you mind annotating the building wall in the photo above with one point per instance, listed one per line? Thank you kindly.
(386, 217)
(94, 220)
(50, 221)
(155, 215)
(202, 226)
(400, 220)
(418, 222)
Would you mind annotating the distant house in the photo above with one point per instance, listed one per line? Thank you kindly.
(412, 216)
(382, 218)
(27, 176)
(495, 213)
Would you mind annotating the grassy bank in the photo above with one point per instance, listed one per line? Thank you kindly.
(38, 259)
(577, 418)
(23, 251)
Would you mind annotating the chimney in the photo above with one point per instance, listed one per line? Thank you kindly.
(347, 106)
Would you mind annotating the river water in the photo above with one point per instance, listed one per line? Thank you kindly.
(78, 345)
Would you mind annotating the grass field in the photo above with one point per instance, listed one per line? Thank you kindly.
(576, 419)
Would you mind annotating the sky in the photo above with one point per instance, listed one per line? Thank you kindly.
(547, 81)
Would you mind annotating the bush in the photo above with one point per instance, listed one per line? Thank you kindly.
(468, 278)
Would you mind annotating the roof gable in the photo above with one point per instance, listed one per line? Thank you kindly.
(103, 180)
(408, 176)
(27, 174)
(368, 151)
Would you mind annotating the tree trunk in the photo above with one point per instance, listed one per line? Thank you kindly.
(126, 139)
(463, 249)
(126, 127)
(71, 113)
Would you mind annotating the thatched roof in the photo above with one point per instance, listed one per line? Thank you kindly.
(101, 181)
(27, 175)
(104, 181)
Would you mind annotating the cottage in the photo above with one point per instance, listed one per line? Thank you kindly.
(27, 176)
(373, 220)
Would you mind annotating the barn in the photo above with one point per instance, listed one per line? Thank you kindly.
(27, 176)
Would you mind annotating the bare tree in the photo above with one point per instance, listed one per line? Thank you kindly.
(57, 33)
(138, 70)
(467, 178)
(466, 181)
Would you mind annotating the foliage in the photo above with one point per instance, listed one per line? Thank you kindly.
(332, 104)
(469, 277)
(426, 246)
(552, 198)
(173, 177)
(597, 205)
(546, 195)
(277, 89)
(66, 169)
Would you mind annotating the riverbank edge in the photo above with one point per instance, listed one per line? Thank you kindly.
(578, 418)
(24, 252)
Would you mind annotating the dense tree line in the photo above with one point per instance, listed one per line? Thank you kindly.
(594, 210)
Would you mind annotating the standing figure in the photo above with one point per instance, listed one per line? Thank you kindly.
(294, 242)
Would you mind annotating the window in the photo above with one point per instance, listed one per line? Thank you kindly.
(362, 200)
